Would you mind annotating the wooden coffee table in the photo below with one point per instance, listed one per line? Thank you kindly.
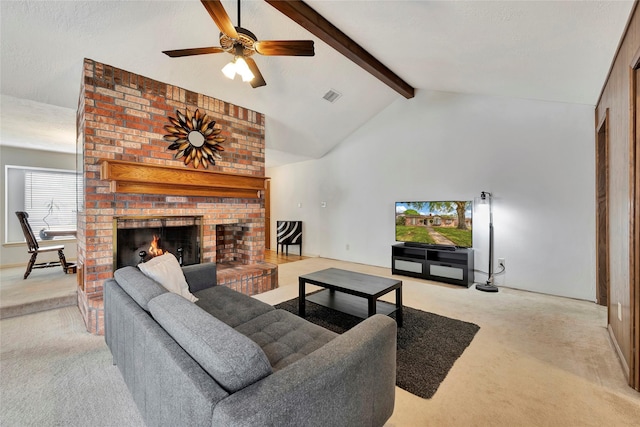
(350, 292)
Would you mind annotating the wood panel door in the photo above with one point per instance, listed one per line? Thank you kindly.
(267, 214)
(602, 212)
(634, 249)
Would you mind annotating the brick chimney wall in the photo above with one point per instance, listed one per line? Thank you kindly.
(121, 116)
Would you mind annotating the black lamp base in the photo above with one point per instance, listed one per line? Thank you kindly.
(486, 287)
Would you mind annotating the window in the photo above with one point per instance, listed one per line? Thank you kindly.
(47, 195)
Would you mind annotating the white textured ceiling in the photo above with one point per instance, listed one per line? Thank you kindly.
(556, 51)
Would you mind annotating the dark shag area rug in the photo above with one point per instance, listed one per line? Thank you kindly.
(428, 344)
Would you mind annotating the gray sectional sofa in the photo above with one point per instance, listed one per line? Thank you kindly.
(231, 360)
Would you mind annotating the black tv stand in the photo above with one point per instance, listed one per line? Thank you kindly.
(443, 264)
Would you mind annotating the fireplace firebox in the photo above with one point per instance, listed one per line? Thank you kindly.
(138, 239)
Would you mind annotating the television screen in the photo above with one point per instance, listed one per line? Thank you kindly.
(446, 223)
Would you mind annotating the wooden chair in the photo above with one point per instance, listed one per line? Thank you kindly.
(35, 249)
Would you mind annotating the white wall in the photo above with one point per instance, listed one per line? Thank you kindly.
(536, 157)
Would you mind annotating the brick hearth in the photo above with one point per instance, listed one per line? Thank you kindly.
(121, 117)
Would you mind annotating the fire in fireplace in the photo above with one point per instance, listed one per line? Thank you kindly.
(155, 249)
(140, 239)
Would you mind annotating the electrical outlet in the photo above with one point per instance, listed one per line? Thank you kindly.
(501, 262)
(620, 312)
(347, 247)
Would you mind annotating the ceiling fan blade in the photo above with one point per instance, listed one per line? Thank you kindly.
(195, 51)
(285, 47)
(220, 17)
(258, 80)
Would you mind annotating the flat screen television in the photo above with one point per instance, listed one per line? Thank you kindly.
(446, 224)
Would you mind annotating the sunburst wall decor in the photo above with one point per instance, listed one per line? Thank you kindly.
(195, 138)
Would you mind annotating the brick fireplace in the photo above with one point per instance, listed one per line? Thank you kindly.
(120, 123)
(138, 240)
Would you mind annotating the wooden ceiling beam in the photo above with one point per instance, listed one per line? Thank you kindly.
(317, 25)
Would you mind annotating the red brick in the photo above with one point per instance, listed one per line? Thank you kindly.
(138, 119)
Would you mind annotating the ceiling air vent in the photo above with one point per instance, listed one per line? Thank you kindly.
(332, 95)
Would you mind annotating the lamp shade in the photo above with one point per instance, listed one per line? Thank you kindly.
(229, 70)
(238, 66)
(243, 69)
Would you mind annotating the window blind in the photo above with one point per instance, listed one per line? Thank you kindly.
(50, 199)
(47, 195)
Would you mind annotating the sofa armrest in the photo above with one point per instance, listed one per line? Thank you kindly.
(350, 381)
(200, 276)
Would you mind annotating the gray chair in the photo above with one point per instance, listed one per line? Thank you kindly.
(34, 249)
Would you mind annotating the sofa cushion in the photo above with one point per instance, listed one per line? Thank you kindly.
(285, 337)
(200, 276)
(165, 269)
(139, 287)
(232, 307)
(232, 359)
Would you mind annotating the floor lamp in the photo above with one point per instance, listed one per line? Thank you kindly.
(486, 197)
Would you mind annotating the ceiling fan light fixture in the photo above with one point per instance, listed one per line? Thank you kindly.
(243, 69)
(229, 70)
(238, 66)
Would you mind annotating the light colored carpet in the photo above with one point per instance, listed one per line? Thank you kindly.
(54, 373)
(536, 361)
(44, 289)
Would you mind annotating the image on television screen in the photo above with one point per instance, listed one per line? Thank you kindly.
(435, 223)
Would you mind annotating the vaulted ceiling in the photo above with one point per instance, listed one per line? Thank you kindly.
(556, 51)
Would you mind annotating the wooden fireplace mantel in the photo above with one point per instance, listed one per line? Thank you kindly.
(144, 178)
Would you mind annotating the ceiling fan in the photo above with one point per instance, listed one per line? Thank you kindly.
(242, 44)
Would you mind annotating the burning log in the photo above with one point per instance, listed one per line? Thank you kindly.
(154, 249)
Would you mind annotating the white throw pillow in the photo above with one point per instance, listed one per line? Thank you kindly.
(165, 269)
